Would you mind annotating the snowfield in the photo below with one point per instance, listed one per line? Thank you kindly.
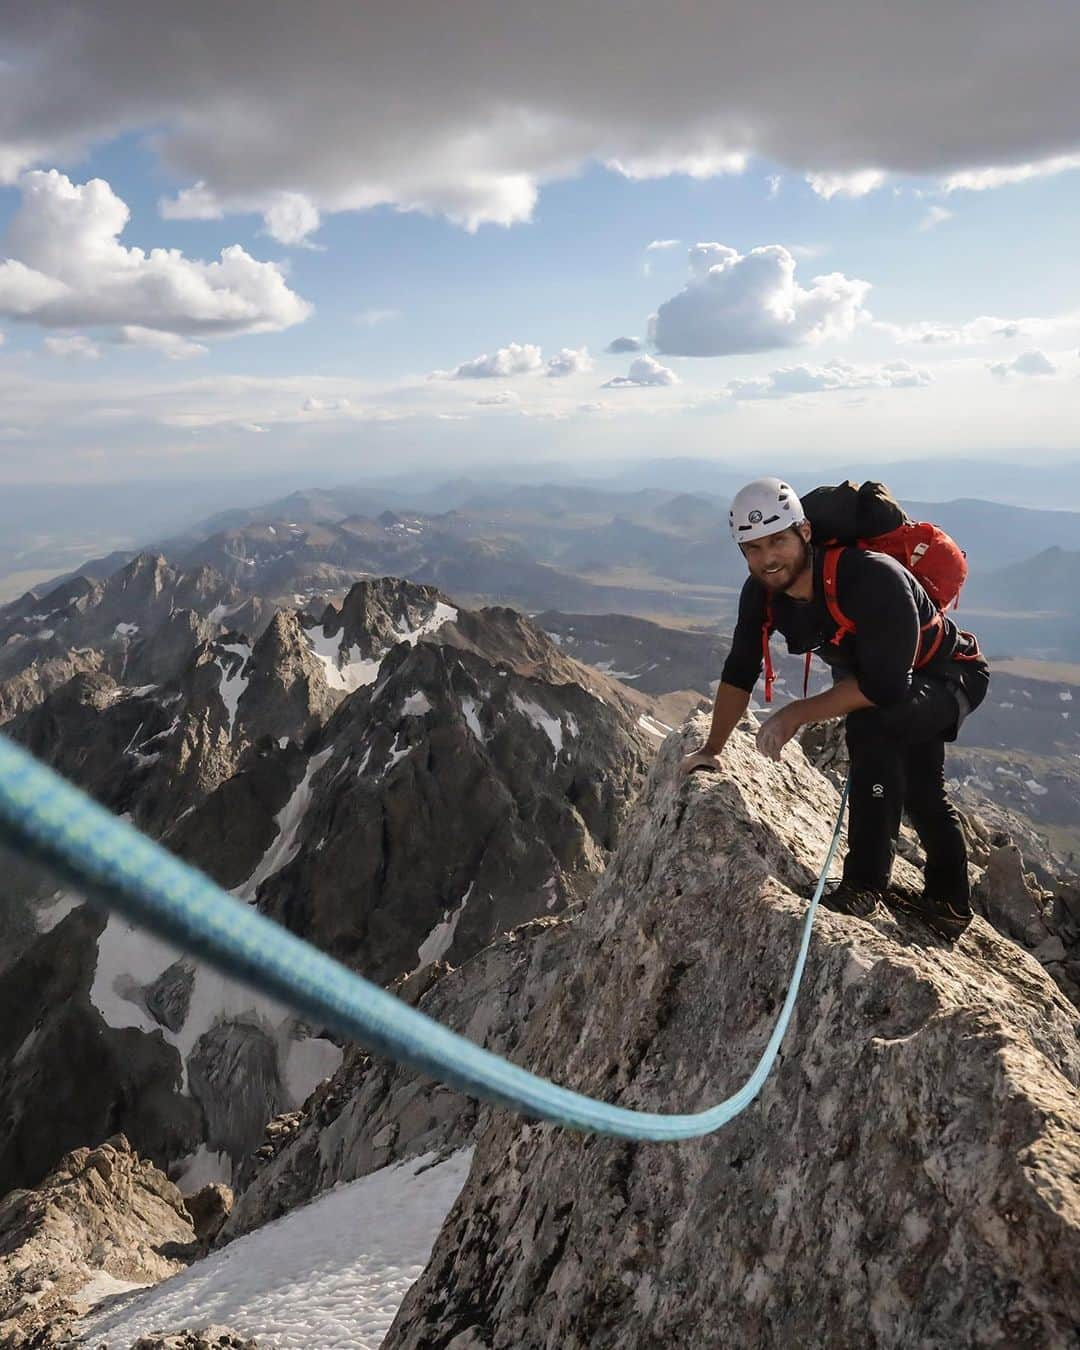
(328, 1276)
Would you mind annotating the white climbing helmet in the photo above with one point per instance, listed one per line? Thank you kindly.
(765, 506)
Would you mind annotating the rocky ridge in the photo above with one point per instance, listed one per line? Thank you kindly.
(103, 1221)
(909, 1174)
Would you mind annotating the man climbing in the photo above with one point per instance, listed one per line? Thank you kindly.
(900, 707)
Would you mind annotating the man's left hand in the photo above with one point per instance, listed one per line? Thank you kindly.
(775, 732)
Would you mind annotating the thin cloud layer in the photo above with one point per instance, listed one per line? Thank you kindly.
(833, 376)
(64, 267)
(735, 303)
(467, 109)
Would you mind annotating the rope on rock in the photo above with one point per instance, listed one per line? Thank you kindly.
(119, 868)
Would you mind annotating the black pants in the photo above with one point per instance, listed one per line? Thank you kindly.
(897, 765)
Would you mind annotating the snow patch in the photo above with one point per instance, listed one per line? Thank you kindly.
(102, 1285)
(441, 614)
(439, 941)
(289, 819)
(308, 1061)
(653, 726)
(233, 682)
(539, 717)
(395, 755)
(468, 707)
(202, 1168)
(48, 916)
(125, 630)
(341, 673)
(416, 705)
(330, 1273)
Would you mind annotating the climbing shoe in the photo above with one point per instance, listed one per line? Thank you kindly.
(844, 897)
(945, 918)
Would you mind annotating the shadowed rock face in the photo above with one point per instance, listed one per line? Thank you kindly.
(458, 801)
(473, 783)
(374, 1112)
(67, 1077)
(908, 1175)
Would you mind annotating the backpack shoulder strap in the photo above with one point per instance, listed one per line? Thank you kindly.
(830, 567)
(766, 629)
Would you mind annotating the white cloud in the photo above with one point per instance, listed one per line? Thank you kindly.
(569, 362)
(1027, 363)
(985, 328)
(831, 377)
(774, 180)
(504, 398)
(658, 244)
(373, 317)
(979, 180)
(172, 345)
(343, 105)
(325, 405)
(645, 371)
(193, 203)
(618, 346)
(65, 267)
(750, 303)
(937, 215)
(291, 217)
(857, 184)
(703, 162)
(77, 346)
(515, 359)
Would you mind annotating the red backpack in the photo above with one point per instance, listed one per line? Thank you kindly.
(869, 517)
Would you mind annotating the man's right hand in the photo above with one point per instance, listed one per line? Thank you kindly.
(700, 759)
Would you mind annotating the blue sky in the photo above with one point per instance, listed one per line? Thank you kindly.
(348, 332)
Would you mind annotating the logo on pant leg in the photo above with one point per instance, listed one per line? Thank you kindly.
(878, 790)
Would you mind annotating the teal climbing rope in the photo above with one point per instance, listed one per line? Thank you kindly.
(118, 867)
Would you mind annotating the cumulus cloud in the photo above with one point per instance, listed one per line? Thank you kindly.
(440, 126)
(516, 359)
(1027, 363)
(569, 361)
(65, 268)
(76, 347)
(750, 303)
(645, 371)
(617, 346)
(857, 184)
(291, 217)
(831, 377)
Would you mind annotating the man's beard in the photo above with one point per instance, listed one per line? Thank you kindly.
(788, 575)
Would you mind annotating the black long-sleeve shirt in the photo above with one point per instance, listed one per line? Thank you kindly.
(885, 602)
